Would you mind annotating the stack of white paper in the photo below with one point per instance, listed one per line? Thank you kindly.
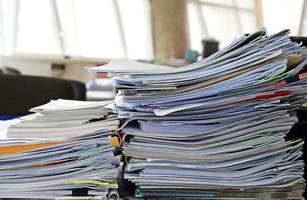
(215, 129)
(63, 118)
(69, 147)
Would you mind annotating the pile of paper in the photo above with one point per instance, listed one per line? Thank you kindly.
(215, 129)
(61, 118)
(71, 149)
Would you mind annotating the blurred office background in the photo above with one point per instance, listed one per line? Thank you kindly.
(58, 38)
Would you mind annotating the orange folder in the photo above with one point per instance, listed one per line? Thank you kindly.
(12, 149)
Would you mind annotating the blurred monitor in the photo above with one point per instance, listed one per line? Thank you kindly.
(210, 46)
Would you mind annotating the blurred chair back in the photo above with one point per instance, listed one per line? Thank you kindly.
(20, 93)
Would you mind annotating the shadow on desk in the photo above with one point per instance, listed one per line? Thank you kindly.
(299, 131)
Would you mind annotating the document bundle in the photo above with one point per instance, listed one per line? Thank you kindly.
(63, 118)
(64, 147)
(216, 129)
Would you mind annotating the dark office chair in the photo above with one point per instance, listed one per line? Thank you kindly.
(20, 93)
(9, 70)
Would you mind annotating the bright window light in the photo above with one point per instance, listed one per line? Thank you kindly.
(222, 20)
(69, 26)
(98, 29)
(194, 27)
(286, 15)
(139, 42)
(80, 28)
(303, 29)
(36, 31)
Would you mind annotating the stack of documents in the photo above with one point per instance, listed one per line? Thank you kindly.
(62, 118)
(215, 129)
(70, 148)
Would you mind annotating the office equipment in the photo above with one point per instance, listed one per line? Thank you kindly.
(210, 46)
(216, 129)
(190, 56)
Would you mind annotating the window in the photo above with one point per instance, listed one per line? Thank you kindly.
(8, 14)
(303, 20)
(221, 20)
(284, 14)
(35, 28)
(81, 28)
